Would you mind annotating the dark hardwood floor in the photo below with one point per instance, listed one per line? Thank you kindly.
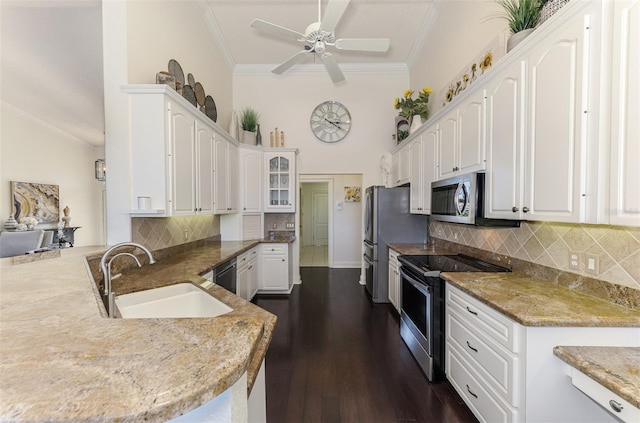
(337, 357)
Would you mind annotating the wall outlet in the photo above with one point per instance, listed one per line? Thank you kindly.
(274, 225)
(574, 260)
(290, 225)
(185, 236)
(592, 263)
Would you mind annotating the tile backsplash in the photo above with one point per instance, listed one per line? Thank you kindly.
(615, 249)
(162, 232)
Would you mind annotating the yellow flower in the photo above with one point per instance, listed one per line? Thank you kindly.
(408, 93)
(395, 103)
(427, 90)
(486, 62)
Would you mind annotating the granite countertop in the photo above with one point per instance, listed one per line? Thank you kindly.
(616, 368)
(61, 358)
(535, 302)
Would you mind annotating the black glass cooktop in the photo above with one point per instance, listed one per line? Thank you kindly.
(432, 265)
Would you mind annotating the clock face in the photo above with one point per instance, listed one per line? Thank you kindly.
(330, 121)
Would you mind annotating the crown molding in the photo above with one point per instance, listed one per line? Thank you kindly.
(46, 125)
(425, 29)
(311, 69)
(212, 24)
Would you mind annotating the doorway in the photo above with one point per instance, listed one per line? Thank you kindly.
(314, 224)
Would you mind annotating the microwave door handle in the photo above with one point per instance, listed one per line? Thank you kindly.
(417, 285)
(461, 190)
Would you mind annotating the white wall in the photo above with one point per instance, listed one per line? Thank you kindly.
(162, 30)
(287, 101)
(459, 34)
(35, 152)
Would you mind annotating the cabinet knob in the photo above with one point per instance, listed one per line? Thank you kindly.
(525, 209)
(282, 259)
(616, 406)
(514, 209)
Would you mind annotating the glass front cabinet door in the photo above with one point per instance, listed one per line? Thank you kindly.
(280, 169)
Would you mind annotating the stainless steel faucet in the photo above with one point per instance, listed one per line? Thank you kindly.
(105, 267)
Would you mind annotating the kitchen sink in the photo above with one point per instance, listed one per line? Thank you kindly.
(174, 301)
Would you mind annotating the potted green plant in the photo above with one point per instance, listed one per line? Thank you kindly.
(522, 17)
(249, 122)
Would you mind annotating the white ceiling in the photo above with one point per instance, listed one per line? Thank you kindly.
(52, 49)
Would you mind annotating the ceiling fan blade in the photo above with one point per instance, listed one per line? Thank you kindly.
(363, 44)
(276, 29)
(290, 62)
(332, 67)
(332, 14)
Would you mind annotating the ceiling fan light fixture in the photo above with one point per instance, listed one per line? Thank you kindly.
(319, 35)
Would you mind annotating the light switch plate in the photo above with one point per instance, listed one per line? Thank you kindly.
(290, 225)
(592, 263)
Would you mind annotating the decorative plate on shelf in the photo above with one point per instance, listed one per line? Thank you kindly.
(176, 70)
(210, 108)
(190, 95)
(199, 90)
(191, 80)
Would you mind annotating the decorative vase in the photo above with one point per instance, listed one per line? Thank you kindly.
(249, 137)
(258, 136)
(517, 38)
(549, 9)
(233, 126)
(416, 123)
(10, 223)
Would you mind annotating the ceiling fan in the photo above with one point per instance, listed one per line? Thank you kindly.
(319, 36)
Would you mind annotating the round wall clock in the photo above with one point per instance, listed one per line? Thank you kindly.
(330, 121)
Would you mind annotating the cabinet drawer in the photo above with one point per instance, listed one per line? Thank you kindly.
(605, 398)
(496, 326)
(491, 360)
(274, 249)
(485, 407)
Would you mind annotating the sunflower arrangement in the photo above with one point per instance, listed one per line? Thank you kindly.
(409, 106)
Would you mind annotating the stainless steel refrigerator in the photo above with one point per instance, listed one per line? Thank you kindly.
(387, 220)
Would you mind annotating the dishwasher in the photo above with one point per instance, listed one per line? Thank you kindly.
(225, 275)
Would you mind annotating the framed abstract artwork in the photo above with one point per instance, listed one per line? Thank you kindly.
(41, 201)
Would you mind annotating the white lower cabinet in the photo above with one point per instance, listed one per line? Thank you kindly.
(275, 268)
(248, 274)
(507, 372)
(394, 280)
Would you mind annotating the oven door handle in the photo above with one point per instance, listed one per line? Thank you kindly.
(417, 285)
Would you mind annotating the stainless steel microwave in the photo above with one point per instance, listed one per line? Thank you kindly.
(460, 199)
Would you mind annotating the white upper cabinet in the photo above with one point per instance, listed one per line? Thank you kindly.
(182, 154)
(226, 176)
(624, 204)
(555, 138)
(423, 170)
(280, 179)
(401, 166)
(461, 144)
(251, 177)
(172, 153)
(205, 171)
(505, 144)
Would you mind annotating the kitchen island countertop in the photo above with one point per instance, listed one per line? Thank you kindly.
(61, 358)
(616, 368)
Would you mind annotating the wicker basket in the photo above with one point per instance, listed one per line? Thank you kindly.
(550, 8)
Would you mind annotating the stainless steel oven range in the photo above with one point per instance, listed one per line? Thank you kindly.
(422, 311)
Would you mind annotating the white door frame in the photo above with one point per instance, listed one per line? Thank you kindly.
(329, 181)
